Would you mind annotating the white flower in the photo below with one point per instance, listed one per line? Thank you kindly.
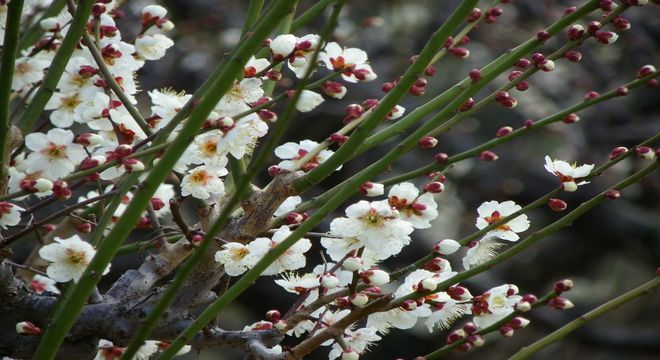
(28, 70)
(292, 259)
(568, 174)
(376, 225)
(165, 104)
(492, 211)
(494, 305)
(68, 257)
(292, 152)
(445, 311)
(10, 214)
(204, 150)
(254, 66)
(203, 182)
(308, 101)
(242, 137)
(41, 283)
(152, 46)
(481, 251)
(283, 45)
(358, 341)
(65, 105)
(298, 284)
(418, 210)
(351, 62)
(237, 258)
(245, 92)
(54, 153)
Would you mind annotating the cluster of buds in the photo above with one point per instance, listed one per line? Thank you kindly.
(645, 152)
(506, 100)
(39, 185)
(492, 14)
(521, 85)
(266, 114)
(645, 71)
(542, 63)
(508, 329)
(154, 15)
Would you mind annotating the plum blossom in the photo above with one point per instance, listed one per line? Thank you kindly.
(40, 284)
(245, 92)
(481, 251)
(28, 70)
(418, 210)
(298, 284)
(68, 258)
(568, 174)
(491, 212)
(241, 138)
(298, 51)
(292, 152)
(494, 305)
(308, 101)
(292, 259)
(376, 225)
(10, 214)
(109, 351)
(358, 341)
(165, 104)
(238, 258)
(203, 183)
(204, 150)
(352, 62)
(445, 311)
(152, 46)
(54, 153)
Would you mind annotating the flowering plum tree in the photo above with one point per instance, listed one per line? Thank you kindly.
(85, 163)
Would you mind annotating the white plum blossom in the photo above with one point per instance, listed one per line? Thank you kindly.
(242, 137)
(376, 225)
(416, 209)
(491, 212)
(28, 70)
(152, 46)
(352, 62)
(245, 92)
(288, 205)
(166, 103)
(68, 258)
(494, 305)
(109, 351)
(54, 153)
(203, 183)
(204, 150)
(283, 45)
(40, 284)
(568, 174)
(291, 153)
(481, 251)
(237, 258)
(445, 311)
(292, 259)
(10, 214)
(358, 341)
(308, 101)
(298, 284)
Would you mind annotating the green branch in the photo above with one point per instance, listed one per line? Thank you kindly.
(562, 332)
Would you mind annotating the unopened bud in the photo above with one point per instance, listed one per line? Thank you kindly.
(466, 346)
(434, 187)
(606, 37)
(455, 335)
(570, 118)
(437, 264)
(546, 65)
(359, 299)
(563, 285)
(522, 86)
(27, 328)
(334, 89)
(560, 303)
(446, 247)
(476, 340)
(530, 298)
(460, 52)
(352, 263)
(475, 15)
(569, 186)
(645, 70)
(274, 170)
(622, 91)
(523, 63)
(607, 5)
(529, 123)
(618, 151)
(475, 75)
(84, 228)
(459, 293)
(645, 152)
(427, 285)
(488, 156)
(591, 95)
(575, 32)
(523, 306)
(593, 27)
(518, 322)
(329, 281)
(542, 36)
(573, 56)
(470, 327)
(293, 218)
(557, 205)
(621, 23)
(372, 189)
(504, 131)
(427, 142)
(43, 185)
(196, 239)
(612, 194)
(386, 87)
(409, 305)
(375, 277)
(507, 331)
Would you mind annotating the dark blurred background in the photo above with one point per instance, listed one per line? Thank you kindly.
(606, 252)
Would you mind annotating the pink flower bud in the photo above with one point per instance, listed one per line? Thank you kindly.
(522, 86)
(530, 298)
(495, 11)
(267, 115)
(514, 74)
(645, 70)
(618, 151)
(523, 63)
(343, 302)
(621, 23)
(475, 15)
(591, 95)
(274, 170)
(466, 346)
(612, 194)
(427, 142)
(575, 32)
(338, 138)
(273, 75)
(475, 75)
(557, 205)
(569, 10)
(459, 293)
(89, 139)
(622, 91)
(157, 203)
(372, 189)
(359, 299)
(196, 239)
(507, 331)
(546, 65)
(273, 316)
(409, 305)
(470, 328)
(518, 322)
(509, 102)
(441, 157)
(570, 118)
(446, 247)
(542, 36)
(334, 89)
(645, 152)
(476, 340)
(537, 58)
(460, 52)
(607, 5)
(573, 56)
(427, 285)
(563, 285)
(560, 303)
(293, 218)
(504, 131)
(488, 156)
(27, 328)
(467, 105)
(61, 190)
(652, 83)
(430, 71)
(48, 227)
(386, 87)
(606, 37)
(416, 90)
(437, 265)
(84, 228)
(455, 335)
(434, 187)
(529, 123)
(593, 27)
(375, 277)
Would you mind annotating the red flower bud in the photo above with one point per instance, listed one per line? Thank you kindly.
(557, 205)
(488, 156)
(612, 194)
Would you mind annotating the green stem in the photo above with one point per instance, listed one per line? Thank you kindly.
(310, 14)
(252, 14)
(277, 133)
(34, 33)
(36, 106)
(389, 101)
(52, 338)
(562, 332)
(9, 51)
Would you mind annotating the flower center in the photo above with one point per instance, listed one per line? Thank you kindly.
(495, 217)
(23, 68)
(200, 177)
(210, 147)
(76, 257)
(55, 151)
(238, 254)
(373, 218)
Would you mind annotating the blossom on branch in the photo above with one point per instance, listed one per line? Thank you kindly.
(68, 258)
